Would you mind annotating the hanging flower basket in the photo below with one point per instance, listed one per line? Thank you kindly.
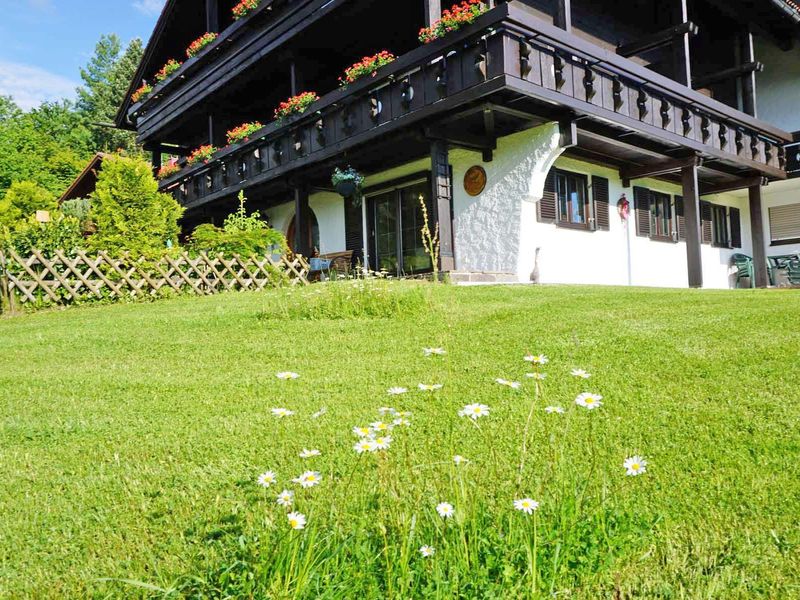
(348, 183)
(458, 16)
(197, 46)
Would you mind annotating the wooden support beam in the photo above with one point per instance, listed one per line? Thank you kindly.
(433, 11)
(747, 56)
(721, 188)
(301, 221)
(212, 16)
(658, 39)
(744, 70)
(691, 216)
(156, 157)
(461, 139)
(660, 168)
(757, 235)
(442, 194)
(489, 131)
(568, 133)
(681, 55)
(563, 15)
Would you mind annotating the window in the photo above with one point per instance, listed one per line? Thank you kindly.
(573, 199)
(784, 224)
(661, 216)
(719, 222)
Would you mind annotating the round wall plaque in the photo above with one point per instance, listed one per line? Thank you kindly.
(474, 180)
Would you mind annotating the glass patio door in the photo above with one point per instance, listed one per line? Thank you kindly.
(396, 230)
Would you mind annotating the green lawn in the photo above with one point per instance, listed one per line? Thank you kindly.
(133, 436)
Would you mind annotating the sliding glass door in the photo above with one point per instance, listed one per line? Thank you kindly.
(396, 222)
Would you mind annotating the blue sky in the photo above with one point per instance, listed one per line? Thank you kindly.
(44, 43)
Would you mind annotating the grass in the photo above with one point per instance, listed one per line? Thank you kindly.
(132, 437)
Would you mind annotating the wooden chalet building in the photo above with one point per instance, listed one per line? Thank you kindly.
(528, 132)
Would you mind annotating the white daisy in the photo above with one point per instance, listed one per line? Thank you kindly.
(554, 409)
(395, 391)
(308, 479)
(512, 384)
(282, 412)
(383, 443)
(286, 375)
(460, 460)
(296, 520)
(474, 411)
(362, 432)
(401, 422)
(266, 479)
(445, 510)
(430, 387)
(427, 551)
(319, 413)
(526, 505)
(406, 413)
(635, 465)
(386, 410)
(432, 351)
(380, 426)
(309, 453)
(537, 359)
(285, 498)
(366, 444)
(589, 401)
(580, 373)
(537, 376)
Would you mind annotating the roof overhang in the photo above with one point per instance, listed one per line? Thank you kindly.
(85, 183)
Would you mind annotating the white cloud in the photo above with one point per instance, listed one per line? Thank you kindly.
(30, 86)
(149, 7)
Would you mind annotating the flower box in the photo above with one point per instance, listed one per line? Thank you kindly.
(458, 16)
(296, 105)
(197, 46)
(168, 170)
(167, 70)
(243, 132)
(244, 8)
(202, 154)
(142, 92)
(366, 66)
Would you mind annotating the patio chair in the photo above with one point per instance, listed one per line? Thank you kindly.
(793, 272)
(744, 268)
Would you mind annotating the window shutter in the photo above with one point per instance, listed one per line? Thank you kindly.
(641, 203)
(600, 198)
(705, 223)
(736, 227)
(547, 205)
(784, 223)
(353, 228)
(680, 218)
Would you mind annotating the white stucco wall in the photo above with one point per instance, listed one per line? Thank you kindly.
(498, 231)
(778, 86)
(779, 193)
(329, 210)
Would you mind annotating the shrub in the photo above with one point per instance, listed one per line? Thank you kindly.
(242, 234)
(79, 208)
(366, 66)
(242, 132)
(145, 90)
(22, 200)
(197, 46)
(244, 8)
(454, 19)
(168, 69)
(60, 233)
(295, 105)
(201, 154)
(130, 213)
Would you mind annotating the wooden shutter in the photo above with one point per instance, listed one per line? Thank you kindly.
(353, 228)
(546, 211)
(600, 199)
(736, 227)
(679, 215)
(641, 203)
(705, 223)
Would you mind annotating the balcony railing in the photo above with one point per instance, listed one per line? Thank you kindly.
(793, 159)
(505, 49)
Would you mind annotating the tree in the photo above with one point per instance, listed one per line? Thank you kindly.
(106, 79)
(22, 200)
(129, 212)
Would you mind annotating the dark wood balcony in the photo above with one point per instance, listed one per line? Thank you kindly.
(527, 71)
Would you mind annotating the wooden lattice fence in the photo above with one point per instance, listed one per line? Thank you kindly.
(62, 279)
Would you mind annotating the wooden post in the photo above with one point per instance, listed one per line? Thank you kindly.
(433, 11)
(757, 235)
(563, 17)
(301, 221)
(211, 129)
(747, 55)
(212, 16)
(5, 301)
(691, 215)
(156, 149)
(680, 47)
(442, 194)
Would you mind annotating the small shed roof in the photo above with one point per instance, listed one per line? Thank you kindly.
(84, 184)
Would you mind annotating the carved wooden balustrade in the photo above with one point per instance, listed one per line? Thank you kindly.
(505, 49)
